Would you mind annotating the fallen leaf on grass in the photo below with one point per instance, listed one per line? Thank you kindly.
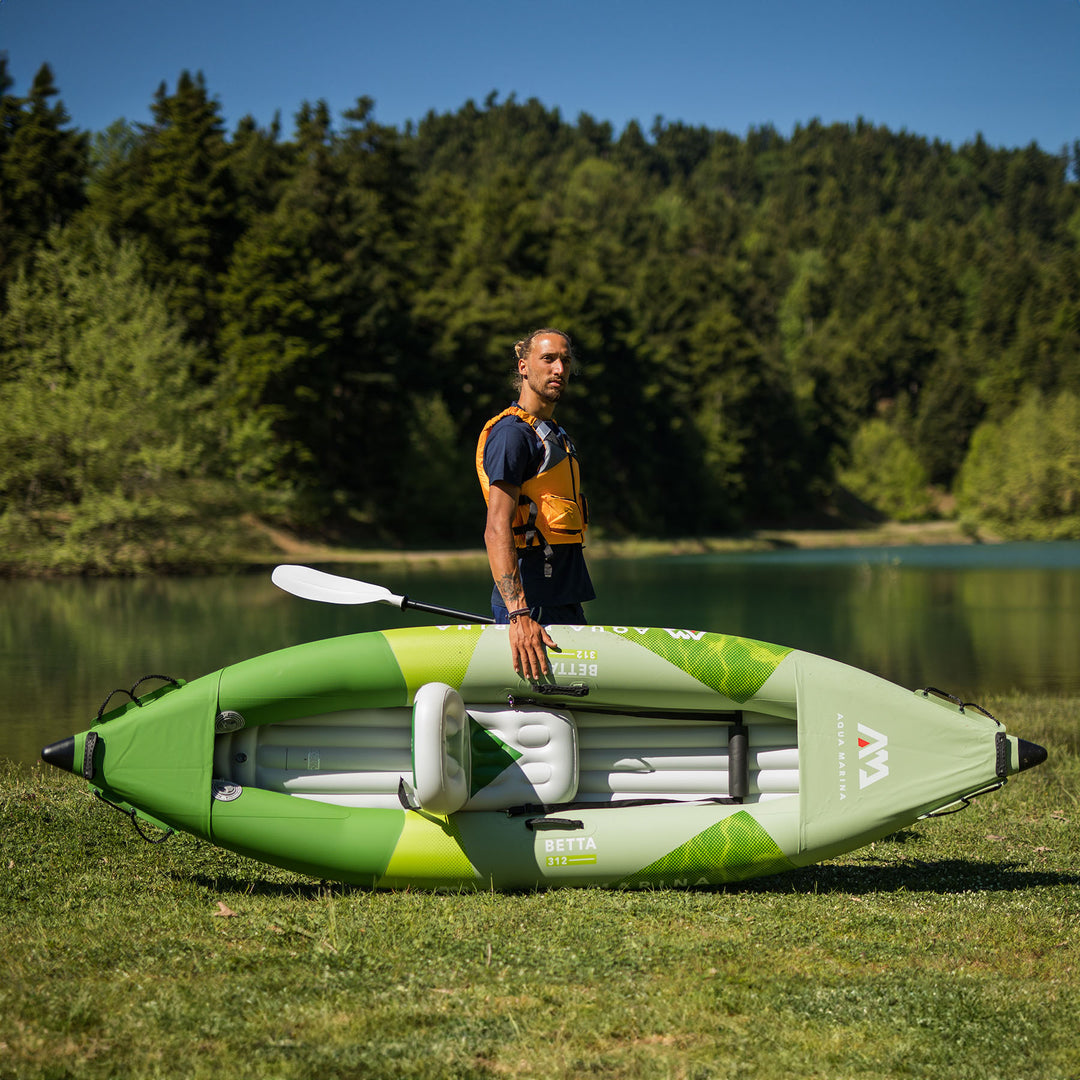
(991, 836)
(223, 912)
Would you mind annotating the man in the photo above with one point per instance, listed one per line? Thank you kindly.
(536, 516)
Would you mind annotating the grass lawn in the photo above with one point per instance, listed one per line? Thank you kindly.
(950, 950)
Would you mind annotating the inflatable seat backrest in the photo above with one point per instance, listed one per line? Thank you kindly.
(440, 749)
(536, 759)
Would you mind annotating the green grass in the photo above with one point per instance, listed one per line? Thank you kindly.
(951, 949)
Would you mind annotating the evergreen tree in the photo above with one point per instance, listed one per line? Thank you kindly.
(317, 337)
(176, 192)
(751, 311)
(43, 167)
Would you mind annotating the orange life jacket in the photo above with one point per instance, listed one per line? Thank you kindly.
(551, 508)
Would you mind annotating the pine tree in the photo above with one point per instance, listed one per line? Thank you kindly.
(175, 190)
(43, 167)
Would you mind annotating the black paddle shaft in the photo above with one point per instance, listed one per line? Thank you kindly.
(450, 613)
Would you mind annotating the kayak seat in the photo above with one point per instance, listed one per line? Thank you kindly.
(441, 754)
(522, 755)
(490, 757)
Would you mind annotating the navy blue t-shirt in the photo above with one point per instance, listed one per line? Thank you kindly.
(513, 454)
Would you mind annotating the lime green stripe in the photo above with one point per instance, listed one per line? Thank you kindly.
(733, 666)
(735, 848)
(429, 852)
(426, 654)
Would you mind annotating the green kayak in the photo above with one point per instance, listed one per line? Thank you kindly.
(649, 757)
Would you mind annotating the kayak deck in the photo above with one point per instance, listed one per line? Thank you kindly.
(515, 755)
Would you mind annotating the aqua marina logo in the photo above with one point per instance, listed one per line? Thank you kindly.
(873, 756)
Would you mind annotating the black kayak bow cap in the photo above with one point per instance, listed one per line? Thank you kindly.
(61, 754)
(1030, 754)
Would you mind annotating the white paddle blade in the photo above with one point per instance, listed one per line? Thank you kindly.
(311, 584)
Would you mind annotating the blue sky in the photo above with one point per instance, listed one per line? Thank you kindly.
(946, 69)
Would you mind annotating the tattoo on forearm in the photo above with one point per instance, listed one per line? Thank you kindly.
(511, 591)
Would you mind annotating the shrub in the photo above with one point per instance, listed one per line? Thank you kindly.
(1021, 476)
(886, 475)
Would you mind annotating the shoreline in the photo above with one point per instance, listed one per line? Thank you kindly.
(892, 534)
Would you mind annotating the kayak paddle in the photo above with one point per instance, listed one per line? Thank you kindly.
(311, 584)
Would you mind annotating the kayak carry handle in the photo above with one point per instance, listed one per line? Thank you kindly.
(131, 693)
(555, 688)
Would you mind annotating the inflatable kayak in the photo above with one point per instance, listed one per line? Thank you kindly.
(649, 757)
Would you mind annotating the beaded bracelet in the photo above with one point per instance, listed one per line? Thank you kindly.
(520, 611)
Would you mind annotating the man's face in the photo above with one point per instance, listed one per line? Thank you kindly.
(546, 367)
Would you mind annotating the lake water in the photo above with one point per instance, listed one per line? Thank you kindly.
(970, 620)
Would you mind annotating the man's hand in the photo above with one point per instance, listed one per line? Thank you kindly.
(527, 641)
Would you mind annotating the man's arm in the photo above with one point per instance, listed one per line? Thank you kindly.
(527, 637)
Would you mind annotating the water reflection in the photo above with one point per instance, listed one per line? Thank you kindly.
(65, 644)
(974, 619)
(971, 620)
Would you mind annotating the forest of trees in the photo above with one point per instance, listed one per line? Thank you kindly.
(202, 328)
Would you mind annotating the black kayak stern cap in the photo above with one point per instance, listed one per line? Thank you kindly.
(1030, 754)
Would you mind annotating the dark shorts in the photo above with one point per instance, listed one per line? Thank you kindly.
(571, 614)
